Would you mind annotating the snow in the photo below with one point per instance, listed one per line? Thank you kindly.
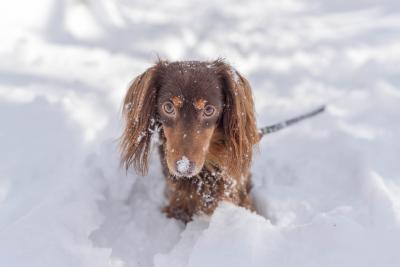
(183, 165)
(326, 190)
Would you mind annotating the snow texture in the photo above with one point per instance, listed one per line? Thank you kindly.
(183, 165)
(327, 190)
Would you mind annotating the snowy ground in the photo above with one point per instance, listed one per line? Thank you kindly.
(328, 190)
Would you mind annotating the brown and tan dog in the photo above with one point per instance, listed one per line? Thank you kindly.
(204, 112)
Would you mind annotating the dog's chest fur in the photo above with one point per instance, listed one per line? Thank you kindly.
(201, 194)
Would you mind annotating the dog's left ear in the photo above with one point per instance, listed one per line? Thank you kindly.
(139, 113)
(238, 119)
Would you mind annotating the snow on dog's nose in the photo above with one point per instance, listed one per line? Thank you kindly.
(184, 166)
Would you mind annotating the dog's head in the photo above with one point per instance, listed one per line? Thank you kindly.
(205, 112)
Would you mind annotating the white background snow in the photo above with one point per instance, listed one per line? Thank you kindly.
(327, 190)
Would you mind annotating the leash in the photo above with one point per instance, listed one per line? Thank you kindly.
(282, 125)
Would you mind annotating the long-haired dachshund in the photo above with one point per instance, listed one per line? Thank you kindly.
(204, 114)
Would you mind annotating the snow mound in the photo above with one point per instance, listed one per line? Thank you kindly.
(234, 236)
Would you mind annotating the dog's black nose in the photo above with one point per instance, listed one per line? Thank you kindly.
(184, 166)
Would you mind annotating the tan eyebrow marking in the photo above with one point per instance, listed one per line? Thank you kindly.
(199, 103)
(178, 101)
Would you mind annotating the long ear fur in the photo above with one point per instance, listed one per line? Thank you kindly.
(139, 113)
(238, 120)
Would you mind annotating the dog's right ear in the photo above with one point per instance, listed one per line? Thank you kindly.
(139, 113)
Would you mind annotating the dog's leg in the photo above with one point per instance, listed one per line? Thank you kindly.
(181, 204)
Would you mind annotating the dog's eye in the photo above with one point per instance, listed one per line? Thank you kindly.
(209, 111)
(168, 107)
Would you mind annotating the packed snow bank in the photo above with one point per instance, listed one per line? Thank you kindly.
(327, 190)
(235, 237)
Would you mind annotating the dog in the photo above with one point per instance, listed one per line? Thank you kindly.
(204, 115)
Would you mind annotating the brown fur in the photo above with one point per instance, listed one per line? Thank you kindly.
(219, 148)
(178, 102)
(200, 103)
